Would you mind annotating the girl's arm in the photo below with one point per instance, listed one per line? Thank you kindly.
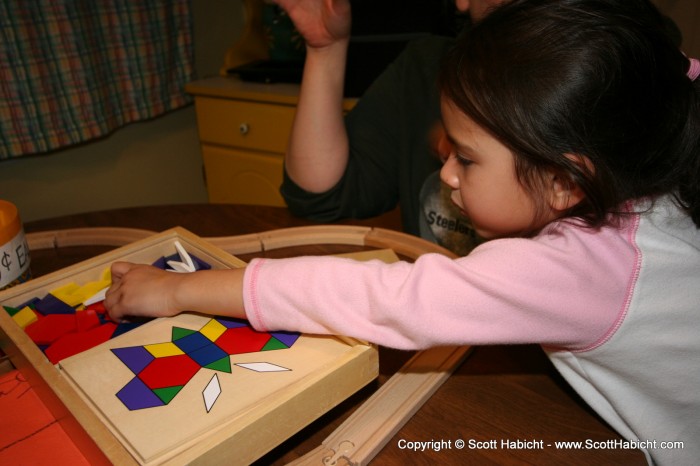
(143, 290)
(566, 289)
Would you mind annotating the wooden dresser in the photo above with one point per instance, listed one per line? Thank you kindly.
(243, 129)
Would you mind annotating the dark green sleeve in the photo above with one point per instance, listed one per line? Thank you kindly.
(389, 152)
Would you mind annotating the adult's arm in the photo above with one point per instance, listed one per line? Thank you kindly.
(389, 151)
(317, 152)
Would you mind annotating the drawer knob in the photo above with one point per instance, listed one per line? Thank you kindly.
(244, 128)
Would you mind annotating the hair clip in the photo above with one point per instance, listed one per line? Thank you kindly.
(694, 69)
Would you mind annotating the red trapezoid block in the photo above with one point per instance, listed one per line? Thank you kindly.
(242, 340)
(51, 327)
(169, 371)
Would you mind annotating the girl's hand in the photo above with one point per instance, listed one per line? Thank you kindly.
(321, 22)
(143, 291)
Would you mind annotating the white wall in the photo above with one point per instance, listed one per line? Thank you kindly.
(146, 163)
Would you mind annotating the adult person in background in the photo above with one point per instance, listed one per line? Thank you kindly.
(382, 154)
(386, 152)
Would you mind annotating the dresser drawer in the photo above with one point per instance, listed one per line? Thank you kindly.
(238, 177)
(251, 125)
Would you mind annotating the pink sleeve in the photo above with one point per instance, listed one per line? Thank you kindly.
(566, 289)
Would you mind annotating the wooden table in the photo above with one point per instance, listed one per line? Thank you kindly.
(499, 394)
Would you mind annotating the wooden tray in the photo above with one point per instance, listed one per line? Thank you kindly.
(254, 413)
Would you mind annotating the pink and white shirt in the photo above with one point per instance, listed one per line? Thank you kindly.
(616, 309)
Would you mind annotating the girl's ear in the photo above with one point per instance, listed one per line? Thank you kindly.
(565, 193)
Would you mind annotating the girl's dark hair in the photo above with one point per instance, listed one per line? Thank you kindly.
(601, 80)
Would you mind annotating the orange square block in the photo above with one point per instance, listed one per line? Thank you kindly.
(29, 434)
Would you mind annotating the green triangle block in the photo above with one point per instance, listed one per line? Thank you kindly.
(274, 344)
(11, 310)
(179, 332)
(222, 365)
(168, 393)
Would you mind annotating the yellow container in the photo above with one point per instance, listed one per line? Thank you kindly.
(14, 251)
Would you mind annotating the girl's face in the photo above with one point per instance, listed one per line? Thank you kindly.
(481, 173)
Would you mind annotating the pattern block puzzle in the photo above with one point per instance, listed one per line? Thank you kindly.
(162, 369)
(235, 407)
(71, 318)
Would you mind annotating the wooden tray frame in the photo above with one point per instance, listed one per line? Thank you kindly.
(373, 424)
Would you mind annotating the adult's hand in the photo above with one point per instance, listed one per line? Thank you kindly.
(321, 22)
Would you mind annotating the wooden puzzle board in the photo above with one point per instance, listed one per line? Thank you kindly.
(157, 434)
(272, 413)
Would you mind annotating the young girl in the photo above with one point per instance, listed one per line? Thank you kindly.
(574, 128)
